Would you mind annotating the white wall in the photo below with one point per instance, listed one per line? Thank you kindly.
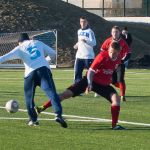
(129, 19)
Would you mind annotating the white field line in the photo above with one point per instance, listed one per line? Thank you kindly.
(47, 119)
(138, 73)
(79, 118)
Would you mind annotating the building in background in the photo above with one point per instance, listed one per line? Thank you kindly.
(110, 8)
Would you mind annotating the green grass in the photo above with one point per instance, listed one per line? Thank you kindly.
(16, 135)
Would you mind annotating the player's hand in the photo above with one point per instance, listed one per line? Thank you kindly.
(122, 61)
(83, 40)
(75, 46)
(88, 89)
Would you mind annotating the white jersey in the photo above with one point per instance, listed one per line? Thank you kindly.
(32, 53)
(85, 49)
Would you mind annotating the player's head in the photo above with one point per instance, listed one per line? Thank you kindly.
(115, 32)
(83, 22)
(125, 30)
(114, 50)
(23, 37)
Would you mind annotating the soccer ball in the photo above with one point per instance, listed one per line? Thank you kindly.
(12, 106)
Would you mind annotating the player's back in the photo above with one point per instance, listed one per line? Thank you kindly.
(32, 54)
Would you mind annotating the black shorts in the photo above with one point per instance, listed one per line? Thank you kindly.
(80, 87)
(118, 74)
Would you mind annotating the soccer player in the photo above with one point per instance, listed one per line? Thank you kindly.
(98, 79)
(37, 73)
(85, 54)
(118, 75)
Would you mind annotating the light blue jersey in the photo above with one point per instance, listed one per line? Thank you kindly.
(32, 53)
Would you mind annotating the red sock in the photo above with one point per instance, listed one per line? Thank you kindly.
(122, 87)
(116, 85)
(115, 115)
(47, 104)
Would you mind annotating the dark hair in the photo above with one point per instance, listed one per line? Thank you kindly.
(116, 27)
(83, 17)
(125, 28)
(23, 37)
(115, 45)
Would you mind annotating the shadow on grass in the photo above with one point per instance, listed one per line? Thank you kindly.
(89, 127)
(73, 126)
(138, 128)
(107, 127)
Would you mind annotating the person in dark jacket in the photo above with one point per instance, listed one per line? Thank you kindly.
(128, 38)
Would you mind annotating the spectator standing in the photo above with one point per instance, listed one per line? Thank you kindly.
(85, 53)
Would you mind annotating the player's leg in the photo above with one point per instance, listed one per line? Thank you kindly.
(115, 108)
(114, 79)
(29, 90)
(87, 63)
(48, 86)
(64, 95)
(111, 95)
(126, 63)
(78, 69)
(72, 91)
(121, 81)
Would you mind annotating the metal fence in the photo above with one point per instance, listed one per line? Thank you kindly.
(115, 8)
(9, 41)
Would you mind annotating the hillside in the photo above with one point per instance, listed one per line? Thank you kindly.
(27, 15)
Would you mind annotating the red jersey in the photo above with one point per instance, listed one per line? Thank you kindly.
(124, 46)
(104, 68)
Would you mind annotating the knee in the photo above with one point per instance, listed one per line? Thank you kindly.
(115, 99)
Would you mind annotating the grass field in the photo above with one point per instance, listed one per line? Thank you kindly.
(82, 133)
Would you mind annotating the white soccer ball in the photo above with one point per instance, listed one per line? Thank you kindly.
(12, 106)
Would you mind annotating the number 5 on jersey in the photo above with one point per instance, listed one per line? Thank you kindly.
(33, 51)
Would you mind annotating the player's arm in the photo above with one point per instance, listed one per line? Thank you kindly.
(92, 70)
(127, 57)
(91, 40)
(105, 46)
(50, 52)
(14, 54)
(76, 45)
(90, 75)
(127, 52)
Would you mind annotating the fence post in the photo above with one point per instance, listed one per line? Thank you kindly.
(103, 8)
(82, 3)
(147, 8)
(124, 8)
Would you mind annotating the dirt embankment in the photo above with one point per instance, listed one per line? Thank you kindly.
(27, 15)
